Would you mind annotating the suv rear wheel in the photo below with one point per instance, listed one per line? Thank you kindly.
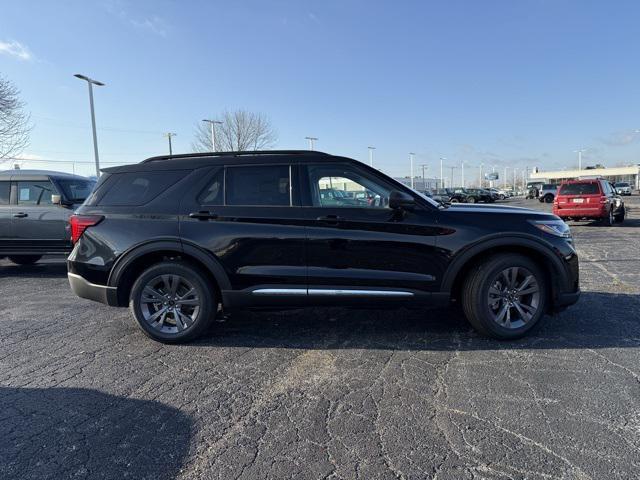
(505, 296)
(25, 259)
(172, 302)
(609, 219)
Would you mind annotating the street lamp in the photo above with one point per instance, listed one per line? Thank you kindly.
(311, 141)
(169, 135)
(91, 83)
(442, 172)
(212, 124)
(451, 181)
(424, 181)
(371, 149)
(462, 174)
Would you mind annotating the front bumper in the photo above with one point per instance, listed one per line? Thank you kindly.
(563, 300)
(98, 293)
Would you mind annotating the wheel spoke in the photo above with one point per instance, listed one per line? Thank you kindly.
(191, 301)
(151, 295)
(528, 291)
(524, 316)
(183, 320)
(502, 313)
(158, 313)
(493, 291)
(525, 283)
(514, 276)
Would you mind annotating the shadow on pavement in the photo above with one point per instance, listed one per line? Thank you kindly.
(598, 320)
(55, 433)
(37, 270)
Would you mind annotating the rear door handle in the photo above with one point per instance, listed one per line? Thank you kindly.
(331, 219)
(203, 215)
(20, 215)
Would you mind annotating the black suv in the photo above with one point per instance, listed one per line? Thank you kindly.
(35, 206)
(175, 238)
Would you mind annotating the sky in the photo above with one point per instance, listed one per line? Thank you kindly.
(511, 84)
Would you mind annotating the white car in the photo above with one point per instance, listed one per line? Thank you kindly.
(623, 188)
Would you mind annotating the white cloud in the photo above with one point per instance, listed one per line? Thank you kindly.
(620, 139)
(153, 24)
(15, 49)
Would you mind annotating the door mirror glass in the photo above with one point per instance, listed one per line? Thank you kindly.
(400, 199)
(56, 199)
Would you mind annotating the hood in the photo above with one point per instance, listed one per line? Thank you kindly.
(496, 209)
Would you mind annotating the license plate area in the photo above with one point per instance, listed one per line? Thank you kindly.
(578, 200)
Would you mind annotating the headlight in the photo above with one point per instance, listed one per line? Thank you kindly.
(553, 227)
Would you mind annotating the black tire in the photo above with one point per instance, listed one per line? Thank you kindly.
(548, 198)
(501, 197)
(471, 200)
(24, 259)
(619, 218)
(454, 200)
(609, 219)
(477, 298)
(176, 329)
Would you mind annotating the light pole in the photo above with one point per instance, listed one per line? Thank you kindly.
(91, 83)
(411, 161)
(480, 176)
(311, 141)
(169, 135)
(579, 152)
(371, 149)
(462, 174)
(451, 180)
(442, 172)
(212, 124)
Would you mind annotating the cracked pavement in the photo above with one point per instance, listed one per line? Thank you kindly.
(325, 393)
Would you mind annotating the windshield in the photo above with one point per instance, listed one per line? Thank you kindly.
(76, 190)
(430, 200)
(622, 184)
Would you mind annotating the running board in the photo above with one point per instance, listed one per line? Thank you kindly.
(330, 292)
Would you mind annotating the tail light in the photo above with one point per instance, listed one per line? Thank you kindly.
(79, 223)
(604, 199)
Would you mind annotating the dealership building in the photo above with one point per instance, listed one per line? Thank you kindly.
(614, 174)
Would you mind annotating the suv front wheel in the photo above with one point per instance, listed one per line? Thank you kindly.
(172, 302)
(505, 296)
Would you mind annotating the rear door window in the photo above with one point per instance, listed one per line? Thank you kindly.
(138, 188)
(259, 185)
(35, 192)
(580, 189)
(5, 191)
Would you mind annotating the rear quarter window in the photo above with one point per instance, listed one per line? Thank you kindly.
(137, 188)
(5, 190)
(580, 189)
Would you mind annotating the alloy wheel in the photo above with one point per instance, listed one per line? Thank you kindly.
(169, 303)
(514, 297)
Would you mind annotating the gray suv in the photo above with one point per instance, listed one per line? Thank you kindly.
(35, 206)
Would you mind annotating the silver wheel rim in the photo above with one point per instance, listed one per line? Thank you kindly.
(513, 297)
(611, 219)
(169, 304)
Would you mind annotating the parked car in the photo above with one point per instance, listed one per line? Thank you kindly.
(454, 195)
(475, 195)
(499, 194)
(35, 206)
(591, 199)
(623, 188)
(176, 237)
(548, 192)
(438, 197)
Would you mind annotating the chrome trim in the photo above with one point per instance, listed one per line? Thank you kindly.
(359, 293)
(280, 291)
(80, 277)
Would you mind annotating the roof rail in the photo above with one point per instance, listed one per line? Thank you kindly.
(234, 154)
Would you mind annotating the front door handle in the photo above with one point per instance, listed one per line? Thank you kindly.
(331, 219)
(20, 215)
(203, 215)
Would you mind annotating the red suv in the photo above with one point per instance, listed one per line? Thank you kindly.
(593, 199)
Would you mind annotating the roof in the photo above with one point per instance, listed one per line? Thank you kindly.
(204, 159)
(5, 174)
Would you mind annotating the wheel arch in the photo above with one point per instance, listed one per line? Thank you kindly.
(131, 263)
(542, 255)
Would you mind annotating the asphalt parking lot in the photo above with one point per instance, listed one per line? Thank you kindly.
(325, 393)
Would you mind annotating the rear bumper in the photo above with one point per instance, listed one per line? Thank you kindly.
(597, 212)
(98, 293)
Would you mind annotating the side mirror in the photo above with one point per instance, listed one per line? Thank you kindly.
(56, 199)
(400, 199)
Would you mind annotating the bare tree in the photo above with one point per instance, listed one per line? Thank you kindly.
(240, 131)
(14, 122)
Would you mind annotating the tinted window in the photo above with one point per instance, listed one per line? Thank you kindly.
(138, 188)
(5, 189)
(579, 189)
(76, 190)
(213, 193)
(622, 184)
(259, 185)
(35, 193)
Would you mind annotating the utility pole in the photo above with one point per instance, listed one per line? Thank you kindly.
(91, 83)
(169, 135)
(424, 182)
(579, 152)
(480, 176)
(451, 180)
(371, 149)
(514, 178)
(411, 160)
(212, 124)
(462, 174)
(311, 141)
(442, 172)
